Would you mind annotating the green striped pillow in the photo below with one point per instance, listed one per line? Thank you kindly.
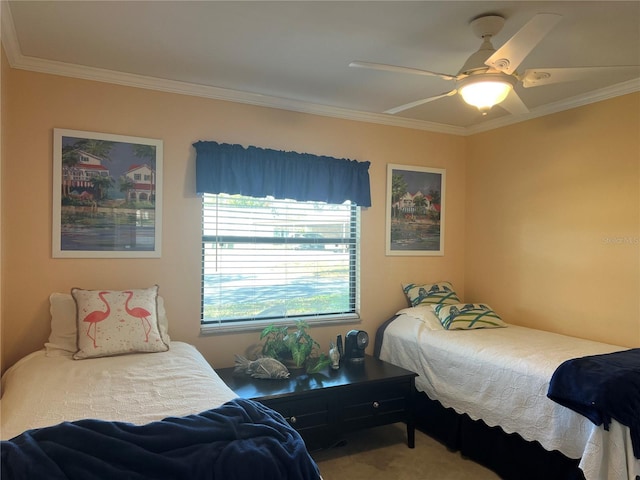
(436, 293)
(468, 316)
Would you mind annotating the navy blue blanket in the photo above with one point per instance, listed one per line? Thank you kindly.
(240, 440)
(602, 387)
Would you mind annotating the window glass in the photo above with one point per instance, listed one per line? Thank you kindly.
(267, 260)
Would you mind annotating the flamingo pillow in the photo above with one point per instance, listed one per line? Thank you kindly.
(117, 322)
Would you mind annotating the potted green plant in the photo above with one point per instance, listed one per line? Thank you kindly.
(295, 349)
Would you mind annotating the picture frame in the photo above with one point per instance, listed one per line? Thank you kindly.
(107, 195)
(415, 210)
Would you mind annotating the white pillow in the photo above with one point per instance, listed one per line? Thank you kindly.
(425, 314)
(64, 329)
(63, 339)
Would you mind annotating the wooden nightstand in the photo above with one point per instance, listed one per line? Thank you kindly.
(322, 406)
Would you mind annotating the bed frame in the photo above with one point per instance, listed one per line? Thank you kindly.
(508, 455)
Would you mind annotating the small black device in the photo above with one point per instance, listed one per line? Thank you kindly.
(354, 344)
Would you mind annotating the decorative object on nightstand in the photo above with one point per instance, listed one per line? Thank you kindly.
(263, 367)
(334, 356)
(354, 345)
(295, 349)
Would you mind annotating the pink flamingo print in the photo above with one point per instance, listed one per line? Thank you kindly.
(140, 313)
(97, 316)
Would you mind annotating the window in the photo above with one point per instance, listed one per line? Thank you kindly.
(268, 261)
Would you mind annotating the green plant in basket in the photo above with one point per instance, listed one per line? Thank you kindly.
(296, 348)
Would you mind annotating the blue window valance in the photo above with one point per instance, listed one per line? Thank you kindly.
(260, 172)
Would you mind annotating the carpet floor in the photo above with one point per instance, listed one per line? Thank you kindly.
(382, 453)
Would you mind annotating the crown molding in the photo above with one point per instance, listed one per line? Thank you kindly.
(205, 91)
(22, 62)
(9, 35)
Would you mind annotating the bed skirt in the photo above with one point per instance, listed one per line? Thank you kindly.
(508, 455)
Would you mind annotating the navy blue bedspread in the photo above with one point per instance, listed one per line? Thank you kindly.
(602, 387)
(241, 439)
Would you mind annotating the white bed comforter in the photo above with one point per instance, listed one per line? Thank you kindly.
(40, 391)
(502, 376)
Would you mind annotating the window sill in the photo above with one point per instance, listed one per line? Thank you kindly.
(258, 326)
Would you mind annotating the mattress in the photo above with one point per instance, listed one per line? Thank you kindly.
(40, 391)
(501, 376)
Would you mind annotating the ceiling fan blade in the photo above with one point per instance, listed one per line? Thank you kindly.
(509, 56)
(397, 69)
(417, 103)
(535, 77)
(513, 104)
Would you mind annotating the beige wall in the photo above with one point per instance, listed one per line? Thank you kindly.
(36, 103)
(553, 221)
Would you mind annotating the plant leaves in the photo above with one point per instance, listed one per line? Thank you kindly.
(299, 356)
(315, 364)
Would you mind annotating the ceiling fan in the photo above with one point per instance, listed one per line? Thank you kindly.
(488, 76)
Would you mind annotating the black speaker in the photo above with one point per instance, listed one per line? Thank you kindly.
(354, 344)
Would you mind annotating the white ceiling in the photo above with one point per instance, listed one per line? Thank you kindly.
(295, 54)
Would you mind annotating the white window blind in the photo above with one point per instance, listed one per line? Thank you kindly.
(269, 261)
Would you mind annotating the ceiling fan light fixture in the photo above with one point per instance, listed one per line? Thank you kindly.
(485, 90)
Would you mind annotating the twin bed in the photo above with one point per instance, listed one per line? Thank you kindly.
(484, 392)
(161, 414)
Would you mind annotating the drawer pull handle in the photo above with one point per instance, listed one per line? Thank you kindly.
(293, 419)
(376, 405)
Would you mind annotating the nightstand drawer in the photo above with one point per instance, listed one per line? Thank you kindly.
(381, 399)
(304, 413)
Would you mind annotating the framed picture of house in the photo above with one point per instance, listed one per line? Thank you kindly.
(107, 195)
(415, 210)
